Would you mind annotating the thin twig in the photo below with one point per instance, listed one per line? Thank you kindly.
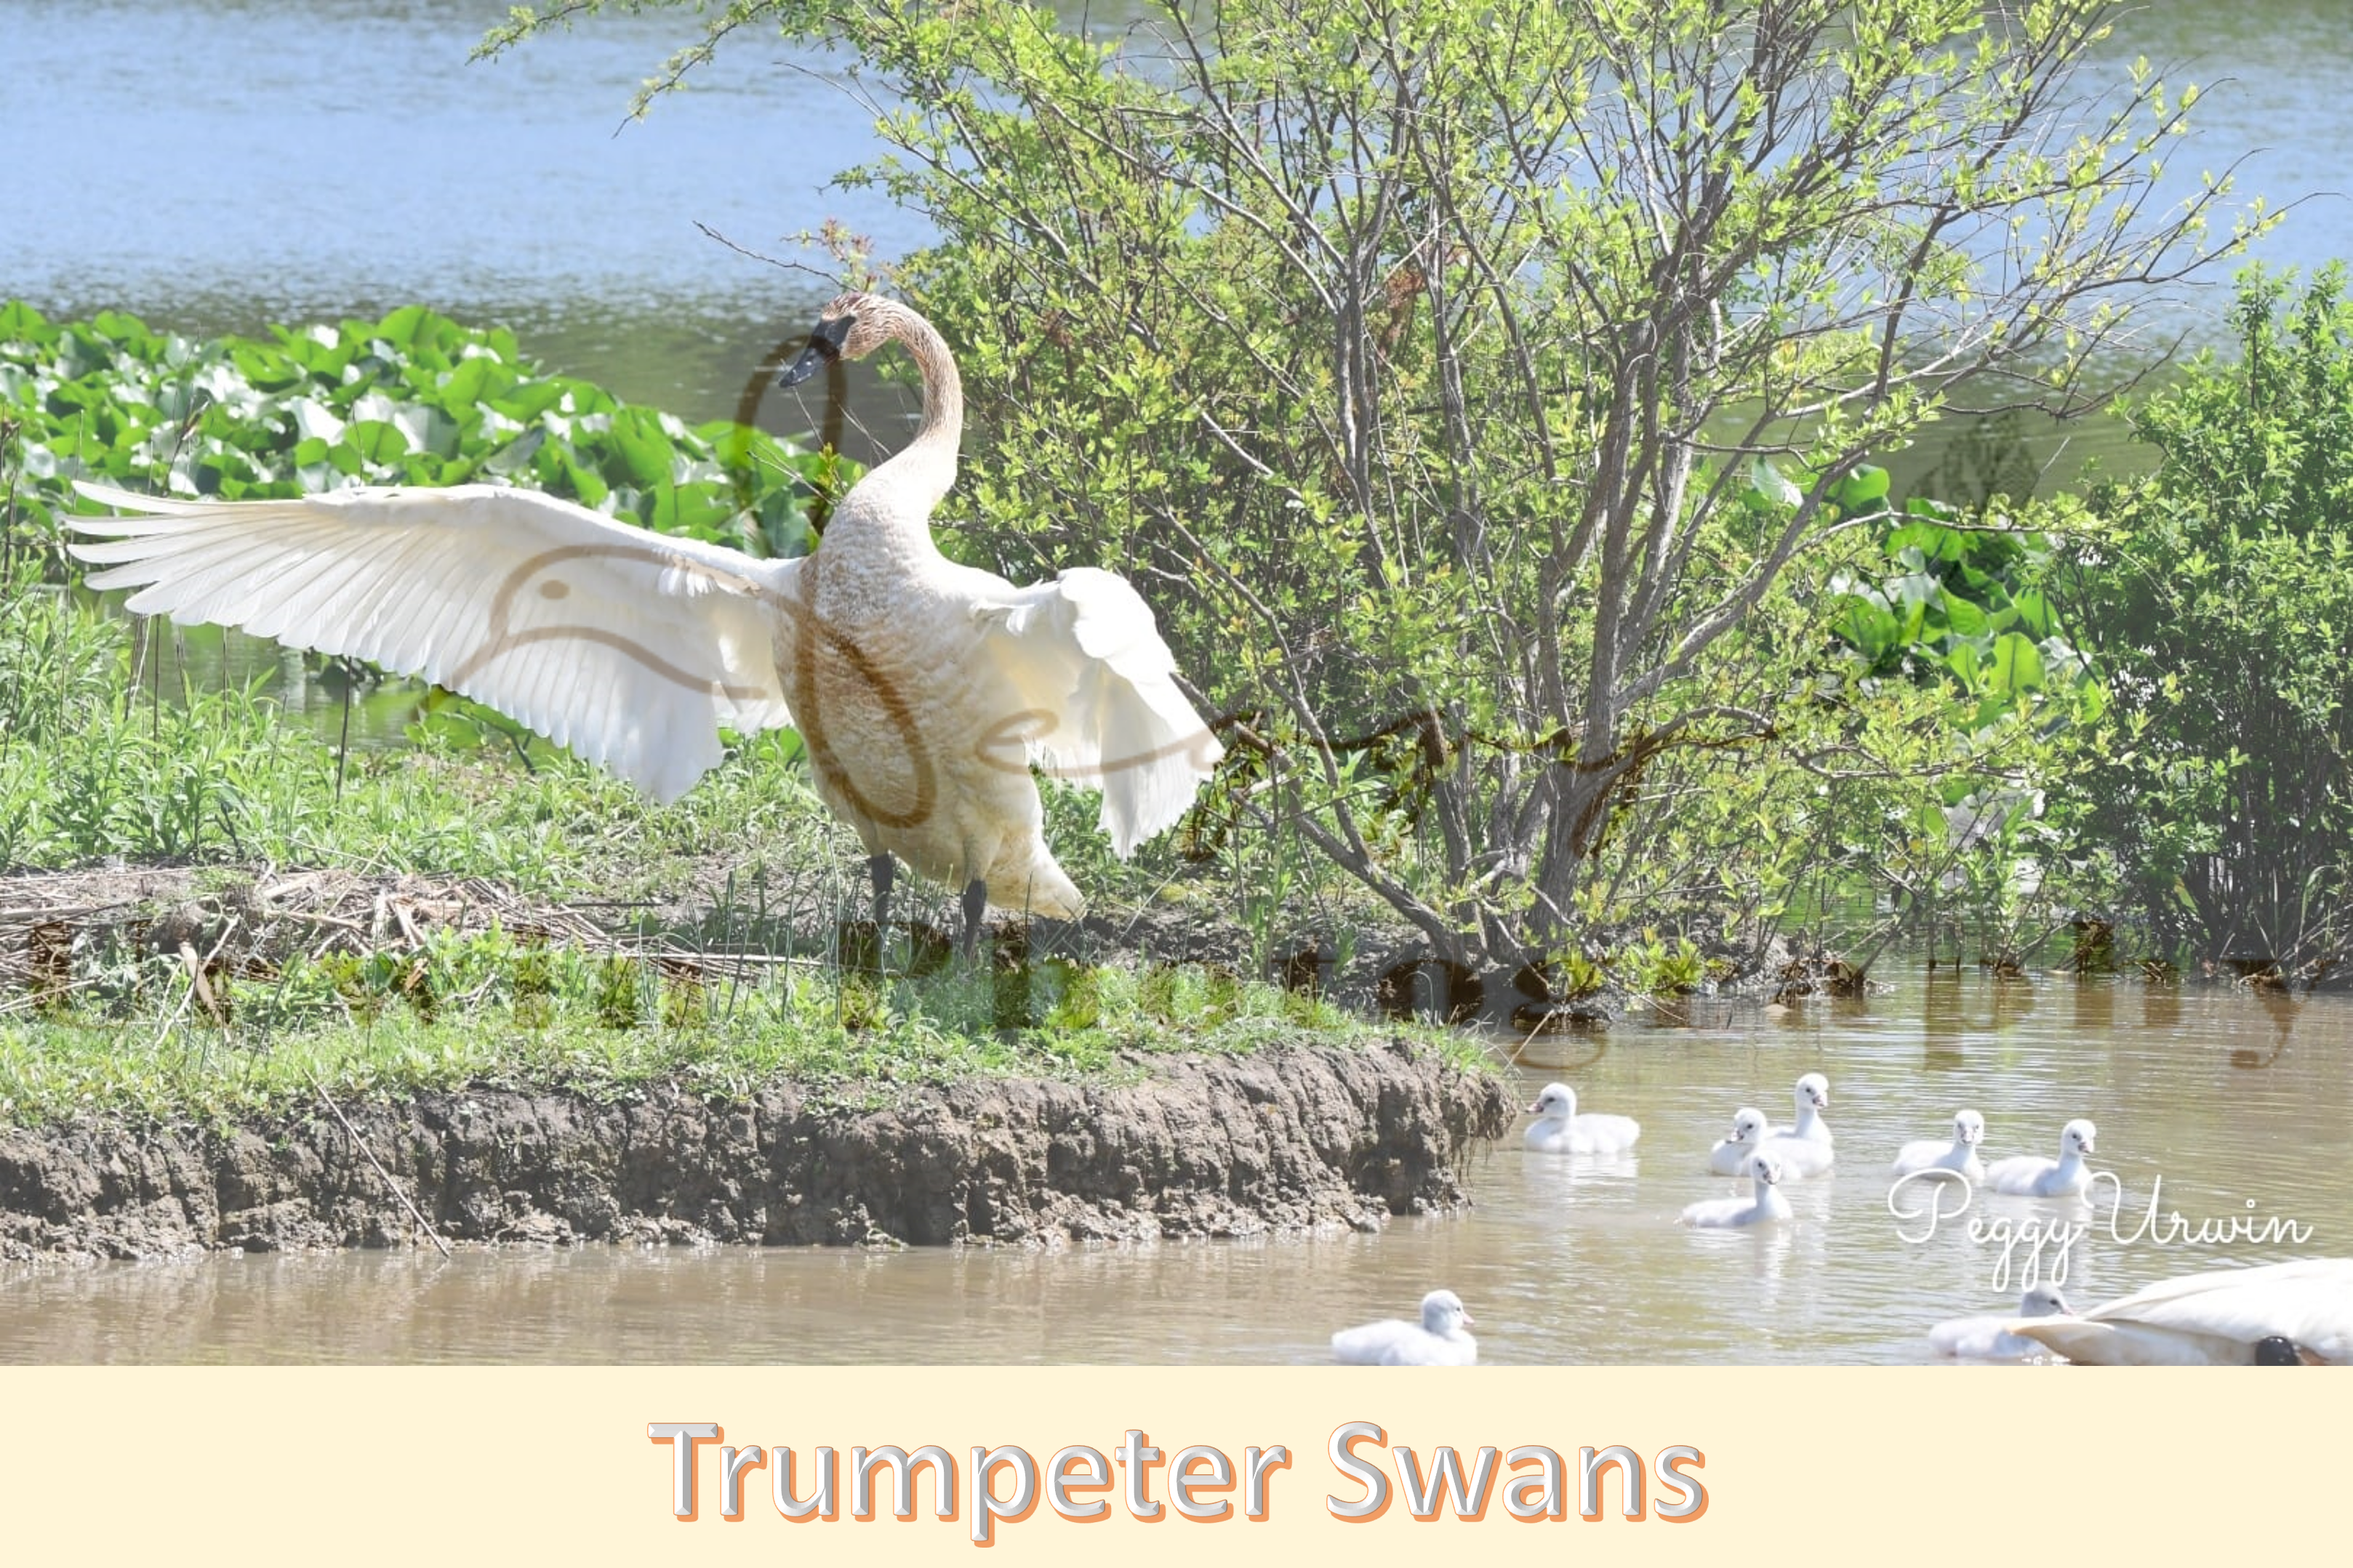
(397, 1190)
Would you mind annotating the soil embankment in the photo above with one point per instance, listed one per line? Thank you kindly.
(1288, 1138)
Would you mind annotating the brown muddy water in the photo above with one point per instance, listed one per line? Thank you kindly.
(2217, 1102)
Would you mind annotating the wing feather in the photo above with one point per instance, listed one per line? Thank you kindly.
(1088, 659)
(631, 647)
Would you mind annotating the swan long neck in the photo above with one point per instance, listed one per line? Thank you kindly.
(920, 473)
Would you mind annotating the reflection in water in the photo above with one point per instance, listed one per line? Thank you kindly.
(1942, 1027)
(1563, 1259)
(2096, 1007)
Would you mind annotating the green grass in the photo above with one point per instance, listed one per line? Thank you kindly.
(486, 1010)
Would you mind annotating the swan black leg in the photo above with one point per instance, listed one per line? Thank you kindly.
(976, 900)
(881, 868)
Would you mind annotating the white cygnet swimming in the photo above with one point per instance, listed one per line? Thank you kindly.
(2281, 1314)
(2032, 1176)
(1990, 1339)
(1960, 1154)
(1814, 1098)
(1559, 1129)
(1766, 1208)
(1731, 1155)
(1437, 1340)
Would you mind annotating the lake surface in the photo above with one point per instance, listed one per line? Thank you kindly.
(2214, 1098)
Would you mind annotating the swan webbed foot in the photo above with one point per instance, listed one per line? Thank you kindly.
(975, 901)
(879, 869)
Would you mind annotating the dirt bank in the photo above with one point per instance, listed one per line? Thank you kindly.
(1286, 1140)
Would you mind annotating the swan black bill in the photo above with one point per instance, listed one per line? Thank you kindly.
(824, 347)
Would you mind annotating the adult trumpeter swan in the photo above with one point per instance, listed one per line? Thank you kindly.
(2032, 1176)
(1767, 1206)
(2281, 1314)
(923, 689)
(1437, 1340)
(1731, 1155)
(1559, 1129)
(1990, 1338)
(1934, 1154)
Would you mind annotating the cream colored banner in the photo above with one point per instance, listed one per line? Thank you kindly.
(404, 1465)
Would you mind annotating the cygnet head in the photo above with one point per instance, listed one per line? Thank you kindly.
(1765, 1170)
(1442, 1313)
(2076, 1137)
(1969, 1128)
(1557, 1100)
(2044, 1302)
(850, 327)
(1814, 1090)
(1748, 1124)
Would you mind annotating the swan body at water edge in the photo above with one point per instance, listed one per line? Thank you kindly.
(2278, 1314)
(1437, 1340)
(1559, 1129)
(1768, 1207)
(1934, 1154)
(924, 690)
(1812, 1097)
(1990, 1339)
(1731, 1155)
(2032, 1176)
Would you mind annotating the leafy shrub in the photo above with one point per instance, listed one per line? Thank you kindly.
(2222, 603)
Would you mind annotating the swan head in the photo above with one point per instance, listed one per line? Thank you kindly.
(2044, 1302)
(1748, 1125)
(1442, 1313)
(847, 328)
(2076, 1137)
(1814, 1092)
(1766, 1171)
(1557, 1100)
(1969, 1128)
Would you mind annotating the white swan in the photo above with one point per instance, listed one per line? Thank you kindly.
(1812, 1097)
(2279, 1314)
(1767, 1205)
(2032, 1176)
(1960, 1154)
(1799, 1157)
(1731, 1155)
(1990, 1339)
(1559, 1129)
(923, 689)
(1437, 1340)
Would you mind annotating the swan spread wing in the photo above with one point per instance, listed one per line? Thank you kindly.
(628, 646)
(1087, 658)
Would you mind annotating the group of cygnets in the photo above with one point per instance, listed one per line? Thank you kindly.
(2283, 1314)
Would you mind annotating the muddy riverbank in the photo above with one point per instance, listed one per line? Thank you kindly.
(1291, 1139)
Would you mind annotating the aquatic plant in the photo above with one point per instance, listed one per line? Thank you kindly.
(415, 399)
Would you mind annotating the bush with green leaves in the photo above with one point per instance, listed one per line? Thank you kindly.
(1955, 607)
(2220, 604)
(1470, 385)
